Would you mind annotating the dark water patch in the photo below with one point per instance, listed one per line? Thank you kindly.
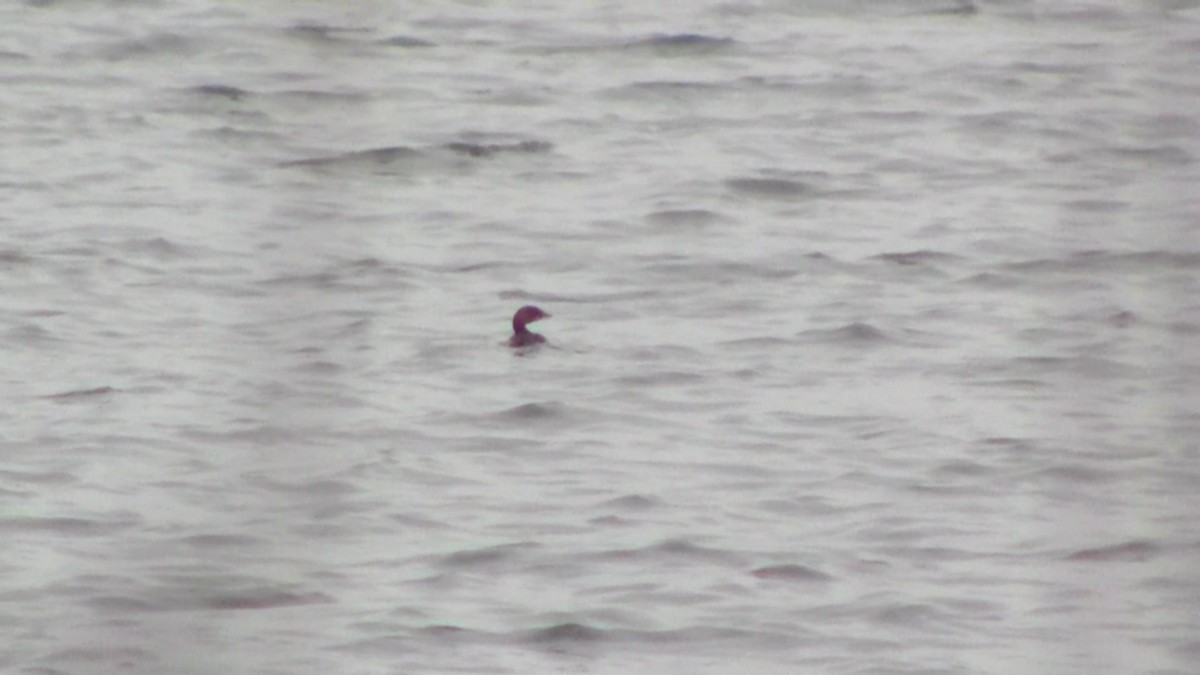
(320, 97)
(721, 271)
(421, 522)
(790, 572)
(488, 557)
(1108, 262)
(371, 272)
(119, 604)
(78, 394)
(385, 157)
(158, 248)
(30, 335)
(478, 150)
(611, 521)
(719, 637)
(661, 379)
(800, 420)
(477, 267)
(353, 328)
(857, 334)
(263, 599)
(38, 477)
(392, 159)
(858, 10)
(257, 434)
(959, 8)
(564, 632)
(1183, 328)
(225, 91)
(171, 45)
(593, 298)
(1165, 156)
(756, 344)
(319, 33)
(1074, 474)
(921, 257)
(12, 258)
(996, 124)
(324, 487)
(770, 188)
(1092, 206)
(682, 44)
(677, 550)
(75, 527)
(210, 541)
(198, 587)
(664, 353)
(911, 617)
(1009, 443)
(392, 646)
(241, 138)
(448, 633)
(1016, 384)
(961, 468)
(538, 414)
(576, 634)
(405, 42)
(671, 91)
(689, 218)
(534, 412)
(324, 280)
(117, 658)
(1137, 550)
(631, 503)
(1088, 366)
(1122, 319)
(322, 369)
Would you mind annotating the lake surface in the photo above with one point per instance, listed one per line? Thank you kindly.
(875, 348)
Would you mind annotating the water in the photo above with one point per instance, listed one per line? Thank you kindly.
(874, 347)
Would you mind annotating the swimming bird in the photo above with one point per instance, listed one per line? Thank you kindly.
(522, 336)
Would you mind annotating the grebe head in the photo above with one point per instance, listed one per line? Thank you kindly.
(526, 315)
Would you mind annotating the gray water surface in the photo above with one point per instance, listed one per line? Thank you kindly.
(874, 345)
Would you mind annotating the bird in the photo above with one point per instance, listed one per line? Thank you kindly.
(522, 336)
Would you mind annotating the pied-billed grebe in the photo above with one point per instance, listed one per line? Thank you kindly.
(522, 336)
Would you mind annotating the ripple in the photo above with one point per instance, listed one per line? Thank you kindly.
(486, 557)
(771, 188)
(14, 257)
(920, 257)
(493, 149)
(1108, 262)
(79, 394)
(221, 541)
(405, 41)
(224, 91)
(264, 599)
(852, 334)
(376, 157)
(675, 550)
(75, 527)
(682, 44)
(33, 335)
(1137, 550)
(565, 632)
(632, 503)
(912, 616)
(534, 412)
(684, 217)
(790, 572)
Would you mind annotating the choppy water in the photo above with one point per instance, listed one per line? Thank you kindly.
(874, 348)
